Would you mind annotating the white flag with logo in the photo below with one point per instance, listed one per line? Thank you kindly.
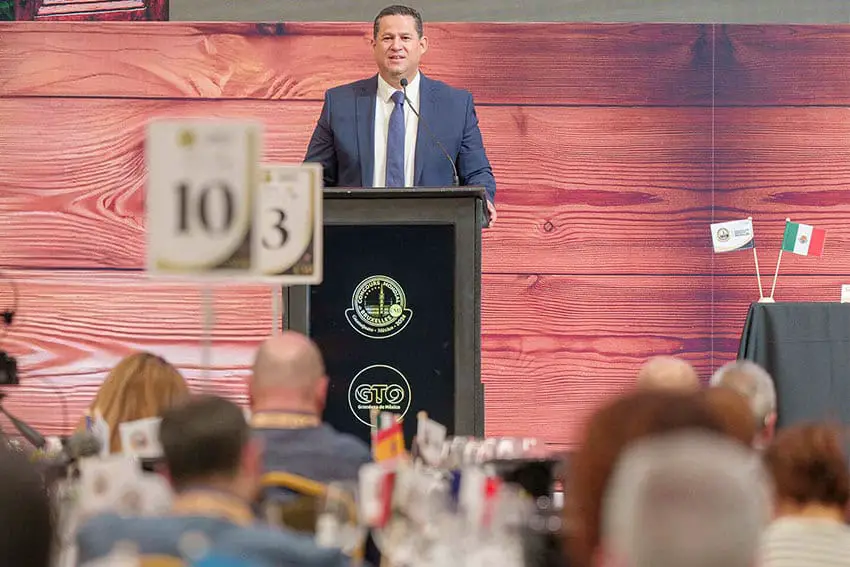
(732, 236)
(430, 438)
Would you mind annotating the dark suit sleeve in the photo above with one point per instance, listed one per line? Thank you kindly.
(473, 167)
(321, 148)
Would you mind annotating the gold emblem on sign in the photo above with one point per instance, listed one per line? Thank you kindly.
(186, 138)
(378, 308)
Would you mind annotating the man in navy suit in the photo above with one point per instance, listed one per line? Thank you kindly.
(368, 136)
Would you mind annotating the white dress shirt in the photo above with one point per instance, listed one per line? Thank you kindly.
(383, 109)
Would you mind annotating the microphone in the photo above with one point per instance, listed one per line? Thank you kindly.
(455, 180)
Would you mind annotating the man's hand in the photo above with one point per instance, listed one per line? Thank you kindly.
(492, 209)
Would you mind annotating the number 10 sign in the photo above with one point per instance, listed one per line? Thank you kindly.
(215, 212)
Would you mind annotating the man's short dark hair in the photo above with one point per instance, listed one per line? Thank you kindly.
(28, 536)
(397, 10)
(203, 437)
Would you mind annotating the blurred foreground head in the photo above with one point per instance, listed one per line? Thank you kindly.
(809, 470)
(609, 432)
(686, 499)
(207, 444)
(27, 533)
(754, 383)
(668, 373)
(140, 386)
(733, 411)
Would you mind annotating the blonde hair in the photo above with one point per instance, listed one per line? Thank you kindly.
(141, 385)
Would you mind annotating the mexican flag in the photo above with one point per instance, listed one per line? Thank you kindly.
(803, 239)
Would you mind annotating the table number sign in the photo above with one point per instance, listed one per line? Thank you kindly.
(289, 221)
(201, 182)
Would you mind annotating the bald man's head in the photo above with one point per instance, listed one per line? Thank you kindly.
(290, 362)
(667, 372)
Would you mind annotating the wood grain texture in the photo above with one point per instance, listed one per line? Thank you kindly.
(556, 347)
(595, 202)
(774, 163)
(553, 346)
(72, 327)
(91, 10)
(611, 64)
(760, 65)
(601, 255)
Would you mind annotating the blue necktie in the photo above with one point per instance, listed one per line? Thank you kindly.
(395, 143)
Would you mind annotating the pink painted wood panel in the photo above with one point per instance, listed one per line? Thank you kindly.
(599, 211)
(611, 163)
(91, 10)
(631, 64)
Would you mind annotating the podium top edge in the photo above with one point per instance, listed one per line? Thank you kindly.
(402, 192)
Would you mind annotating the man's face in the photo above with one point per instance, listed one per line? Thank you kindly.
(398, 47)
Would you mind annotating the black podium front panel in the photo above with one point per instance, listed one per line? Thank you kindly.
(384, 319)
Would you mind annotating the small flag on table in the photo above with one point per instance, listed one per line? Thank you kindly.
(803, 239)
(732, 236)
(387, 438)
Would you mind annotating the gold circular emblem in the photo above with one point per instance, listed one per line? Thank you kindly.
(185, 138)
(378, 308)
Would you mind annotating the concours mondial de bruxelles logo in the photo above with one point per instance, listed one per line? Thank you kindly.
(378, 308)
(378, 311)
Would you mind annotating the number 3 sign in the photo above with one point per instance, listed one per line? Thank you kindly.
(288, 231)
(214, 212)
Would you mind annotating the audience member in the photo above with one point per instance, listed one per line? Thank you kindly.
(288, 390)
(140, 386)
(812, 488)
(753, 382)
(609, 432)
(668, 373)
(214, 467)
(686, 499)
(28, 534)
(733, 411)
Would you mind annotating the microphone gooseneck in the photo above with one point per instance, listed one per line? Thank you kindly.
(455, 179)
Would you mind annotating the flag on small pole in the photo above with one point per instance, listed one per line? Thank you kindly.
(387, 437)
(733, 236)
(802, 239)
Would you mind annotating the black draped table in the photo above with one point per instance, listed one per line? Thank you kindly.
(806, 348)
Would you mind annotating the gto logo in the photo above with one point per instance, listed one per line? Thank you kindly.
(379, 394)
(378, 387)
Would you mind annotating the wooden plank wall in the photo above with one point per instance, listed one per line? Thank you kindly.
(614, 146)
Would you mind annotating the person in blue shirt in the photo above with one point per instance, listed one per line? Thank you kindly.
(214, 465)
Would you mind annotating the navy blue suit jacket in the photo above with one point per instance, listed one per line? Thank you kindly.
(343, 141)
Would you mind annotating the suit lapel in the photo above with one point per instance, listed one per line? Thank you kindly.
(365, 117)
(423, 145)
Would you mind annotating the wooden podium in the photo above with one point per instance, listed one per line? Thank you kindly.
(398, 315)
